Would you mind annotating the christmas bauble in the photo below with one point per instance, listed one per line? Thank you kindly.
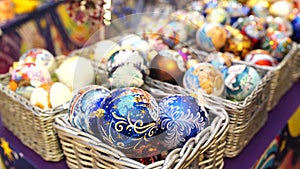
(167, 66)
(128, 121)
(39, 56)
(27, 76)
(240, 81)
(260, 57)
(278, 44)
(126, 68)
(173, 33)
(180, 119)
(104, 49)
(218, 15)
(206, 77)
(86, 105)
(211, 37)
(237, 43)
(76, 72)
(221, 61)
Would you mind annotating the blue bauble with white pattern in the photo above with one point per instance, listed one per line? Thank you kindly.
(128, 121)
(180, 119)
(240, 81)
(86, 103)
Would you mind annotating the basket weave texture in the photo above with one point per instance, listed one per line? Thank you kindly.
(284, 75)
(245, 117)
(30, 124)
(296, 62)
(206, 150)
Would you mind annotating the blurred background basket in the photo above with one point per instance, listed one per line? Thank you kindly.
(206, 150)
(284, 75)
(245, 117)
(296, 62)
(30, 124)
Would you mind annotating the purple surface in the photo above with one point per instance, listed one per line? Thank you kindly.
(276, 120)
(30, 155)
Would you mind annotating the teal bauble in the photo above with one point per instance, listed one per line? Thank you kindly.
(240, 81)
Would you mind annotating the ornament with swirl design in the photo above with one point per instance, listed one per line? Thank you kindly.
(181, 118)
(128, 121)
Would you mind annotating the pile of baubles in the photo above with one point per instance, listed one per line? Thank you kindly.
(132, 121)
(38, 77)
(247, 28)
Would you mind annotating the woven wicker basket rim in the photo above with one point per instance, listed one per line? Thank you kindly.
(237, 104)
(203, 140)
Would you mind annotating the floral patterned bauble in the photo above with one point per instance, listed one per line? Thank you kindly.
(180, 119)
(28, 74)
(39, 56)
(240, 81)
(128, 121)
(211, 36)
(126, 56)
(260, 57)
(278, 44)
(126, 75)
(206, 77)
(85, 102)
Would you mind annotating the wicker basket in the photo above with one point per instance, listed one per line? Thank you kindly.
(30, 124)
(296, 64)
(206, 150)
(283, 78)
(245, 117)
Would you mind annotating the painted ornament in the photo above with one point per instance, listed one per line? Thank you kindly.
(260, 57)
(128, 121)
(206, 77)
(180, 119)
(240, 81)
(211, 37)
